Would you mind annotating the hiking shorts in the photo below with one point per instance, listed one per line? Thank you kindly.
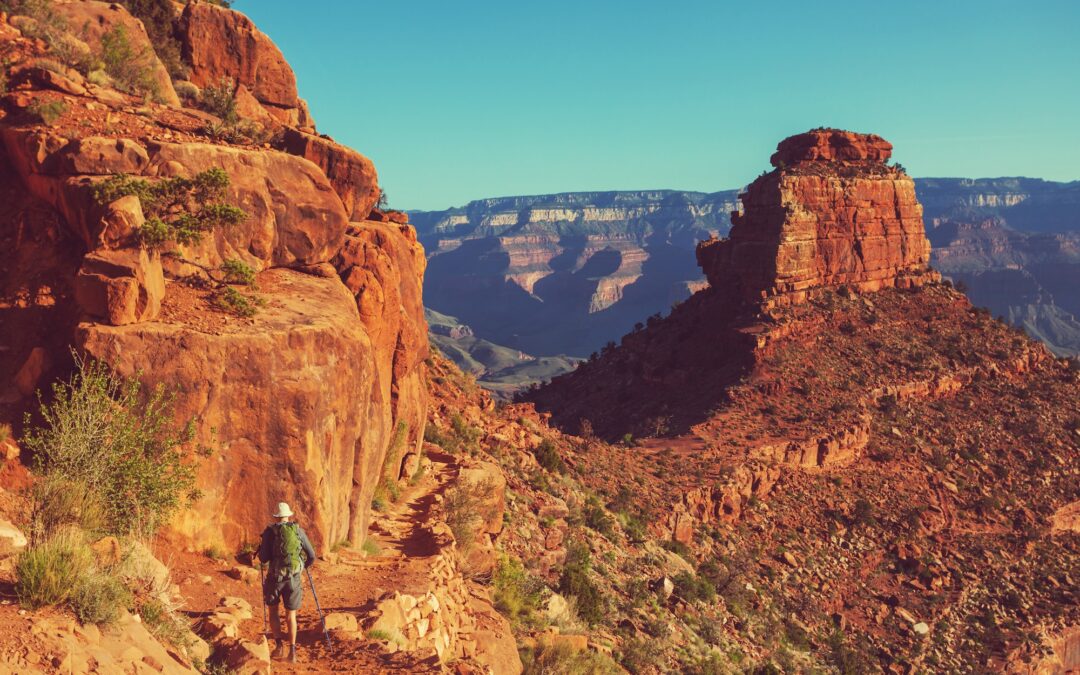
(290, 590)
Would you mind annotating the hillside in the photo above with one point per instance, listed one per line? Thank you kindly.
(891, 467)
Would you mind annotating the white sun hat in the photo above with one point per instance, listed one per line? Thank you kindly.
(283, 510)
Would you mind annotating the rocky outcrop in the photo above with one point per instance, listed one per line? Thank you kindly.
(832, 213)
(353, 176)
(222, 44)
(93, 20)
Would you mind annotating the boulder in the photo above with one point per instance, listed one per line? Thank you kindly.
(353, 175)
(12, 540)
(121, 287)
(94, 19)
(244, 657)
(222, 44)
(341, 622)
(121, 222)
(95, 155)
(26, 380)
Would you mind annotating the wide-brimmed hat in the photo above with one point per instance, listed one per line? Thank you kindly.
(283, 510)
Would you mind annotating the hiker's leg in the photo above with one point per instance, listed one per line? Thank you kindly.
(291, 617)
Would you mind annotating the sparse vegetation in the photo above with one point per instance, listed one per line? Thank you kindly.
(238, 272)
(233, 301)
(157, 17)
(517, 595)
(370, 547)
(467, 505)
(575, 581)
(556, 658)
(180, 210)
(49, 112)
(547, 455)
(131, 70)
(100, 431)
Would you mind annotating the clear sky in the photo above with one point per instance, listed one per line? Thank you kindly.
(456, 101)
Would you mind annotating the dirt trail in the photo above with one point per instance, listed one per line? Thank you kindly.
(350, 584)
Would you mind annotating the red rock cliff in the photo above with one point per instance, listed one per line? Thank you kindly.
(831, 213)
(314, 398)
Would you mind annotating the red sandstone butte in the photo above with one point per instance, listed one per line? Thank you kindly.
(832, 213)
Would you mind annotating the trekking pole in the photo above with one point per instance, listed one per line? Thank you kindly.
(262, 595)
(318, 607)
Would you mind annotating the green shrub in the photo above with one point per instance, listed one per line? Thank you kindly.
(47, 111)
(177, 209)
(238, 272)
(559, 658)
(220, 100)
(517, 594)
(575, 581)
(57, 502)
(187, 91)
(48, 574)
(241, 132)
(99, 597)
(98, 431)
(641, 656)
(597, 518)
(547, 455)
(130, 69)
(157, 17)
(234, 302)
(371, 547)
(165, 623)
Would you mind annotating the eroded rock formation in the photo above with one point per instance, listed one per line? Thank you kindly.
(832, 213)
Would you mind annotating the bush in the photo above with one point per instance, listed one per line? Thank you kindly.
(371, 547)
(575, 581)
(98, 433)
(597, 518)
(177, 209)
(131, 70)
(517, 595)
(157, 17)
(220, 100)
(693, 588)
(559, 658)
(238, 272)
(99, 597)
(233, 301)
(187, 91)
(47, 574)
(47, 111)
(467, 506)
(547, 455)
(56, 503)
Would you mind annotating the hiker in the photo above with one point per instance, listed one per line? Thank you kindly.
(287, 549)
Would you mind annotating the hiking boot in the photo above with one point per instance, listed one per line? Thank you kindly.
(279, 650)
(292, 653)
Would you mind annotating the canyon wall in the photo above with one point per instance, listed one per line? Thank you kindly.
(309, 394)
(565, 273)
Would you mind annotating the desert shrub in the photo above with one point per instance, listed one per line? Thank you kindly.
(157, 17)
(47, 574)
(57, 502)
(392, 635)
(517, 594)
(694, 588)
(237, 272)
(547, 455)
(559, 658)
(5, 432)
(575, 581)
(187, 91)
(641, 656)
(230, 300)
(50, 64)
(130, 69)
(98, 432)
(220, 100)
(467, 506)
(49, 112)
(36, 19)
(99, 597)
(597, 518)
(165, 623)
(863, 514)
(177, 209)
(241, 132)
(843, 657)
(371, 547)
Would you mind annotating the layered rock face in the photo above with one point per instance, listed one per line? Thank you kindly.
(596, 262)
(303, 399)
(832, 213)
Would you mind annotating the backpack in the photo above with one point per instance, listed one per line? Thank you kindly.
(287, 559)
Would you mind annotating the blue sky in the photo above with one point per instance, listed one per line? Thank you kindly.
(456, 101)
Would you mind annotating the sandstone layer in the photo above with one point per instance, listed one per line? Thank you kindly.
(832, 213)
